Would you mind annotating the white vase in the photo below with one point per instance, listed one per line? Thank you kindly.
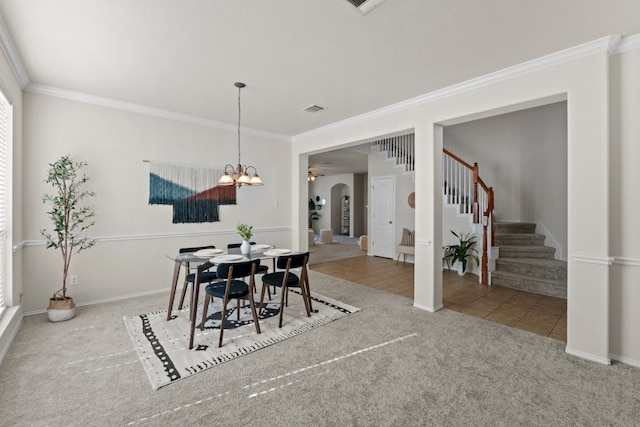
(461, 271)
(245, 247)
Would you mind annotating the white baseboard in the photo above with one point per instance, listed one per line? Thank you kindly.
(118, 298)
(429, 309)
(587, 356)
(626, 360)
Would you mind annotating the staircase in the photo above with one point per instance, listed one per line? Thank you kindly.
(399, 150)
(525, 263)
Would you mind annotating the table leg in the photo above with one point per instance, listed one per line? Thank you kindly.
(194, 306)
(174, 284)
(305, 283)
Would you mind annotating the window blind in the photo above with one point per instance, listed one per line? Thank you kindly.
(5, 252)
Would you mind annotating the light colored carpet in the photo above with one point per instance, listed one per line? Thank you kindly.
(163, 346)
(389, 364)
(325, 252)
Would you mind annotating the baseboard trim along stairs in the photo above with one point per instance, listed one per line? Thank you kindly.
(525, 263)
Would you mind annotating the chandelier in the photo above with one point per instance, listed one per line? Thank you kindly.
(241, 175)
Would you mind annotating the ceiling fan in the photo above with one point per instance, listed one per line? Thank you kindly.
(312, 176)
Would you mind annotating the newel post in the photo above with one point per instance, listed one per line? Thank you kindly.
(475, 207)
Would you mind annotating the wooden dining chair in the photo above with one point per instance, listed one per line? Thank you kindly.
(230, 287)
(286, 279)
(190, 275)
(235, 248)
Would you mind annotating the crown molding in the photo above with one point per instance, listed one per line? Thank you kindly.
(604, 44)
(627, 44)
(369, 5)
(7, 46)
(143, 109)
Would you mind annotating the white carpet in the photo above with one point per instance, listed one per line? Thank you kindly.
(162, 345)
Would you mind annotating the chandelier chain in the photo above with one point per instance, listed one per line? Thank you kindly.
(240, 175)
(239, 115)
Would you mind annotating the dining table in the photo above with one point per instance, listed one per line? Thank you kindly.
(209, 258)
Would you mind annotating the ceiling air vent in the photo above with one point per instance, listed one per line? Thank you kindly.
(365, 6)
(313, 108)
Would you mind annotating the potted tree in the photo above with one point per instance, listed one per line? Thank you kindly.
(462, 251)
(70, 219)
(313, 213)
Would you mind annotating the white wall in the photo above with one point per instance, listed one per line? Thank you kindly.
(321, 187)
(523, 156)
(624, 298)
(582, 78)
(134, 237)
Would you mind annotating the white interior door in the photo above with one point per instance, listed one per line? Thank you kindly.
(383, 196)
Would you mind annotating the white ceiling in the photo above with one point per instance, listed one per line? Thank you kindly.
(183, 56)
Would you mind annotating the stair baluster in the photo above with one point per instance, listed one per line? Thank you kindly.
(461, 179)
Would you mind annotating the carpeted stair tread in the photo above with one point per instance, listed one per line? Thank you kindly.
(514, 227)
(525, 263)
(550, 287)
(537, 267)
(540, 262)
(519, 239)
(530, 251)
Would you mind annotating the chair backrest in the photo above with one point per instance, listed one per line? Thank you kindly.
(240, 269)
(236, 246)
(297, 260)
(194, 249)
(184, 250)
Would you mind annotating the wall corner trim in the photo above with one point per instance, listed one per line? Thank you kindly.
(15, 62)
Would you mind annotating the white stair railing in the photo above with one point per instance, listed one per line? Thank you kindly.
(457, 184)
(463, 187)
(401, 148)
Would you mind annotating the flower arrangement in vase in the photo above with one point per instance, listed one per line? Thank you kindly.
(245, 232)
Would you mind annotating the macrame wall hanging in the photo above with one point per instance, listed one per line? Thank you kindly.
(193, 191)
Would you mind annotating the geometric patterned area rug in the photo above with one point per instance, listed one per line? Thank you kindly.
(163, 346)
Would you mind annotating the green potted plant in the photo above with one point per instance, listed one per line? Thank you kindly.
(245, 232)
(70, 219)
(463, 250)
(313, 213)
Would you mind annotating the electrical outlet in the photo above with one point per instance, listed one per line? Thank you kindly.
(73, 280)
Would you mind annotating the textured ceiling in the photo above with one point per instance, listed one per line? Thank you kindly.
(184, 56)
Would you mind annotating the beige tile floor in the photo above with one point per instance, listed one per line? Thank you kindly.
(524, 310)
